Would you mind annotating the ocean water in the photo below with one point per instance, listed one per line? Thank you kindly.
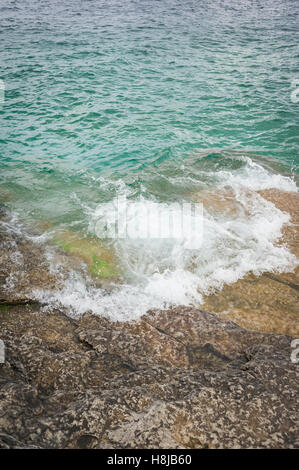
(158, 101)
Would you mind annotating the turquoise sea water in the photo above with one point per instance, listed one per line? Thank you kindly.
(154, 99)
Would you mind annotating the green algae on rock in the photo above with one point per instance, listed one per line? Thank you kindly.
(99, 260)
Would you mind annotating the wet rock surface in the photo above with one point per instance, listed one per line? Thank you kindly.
(181, 378)
(266, 303)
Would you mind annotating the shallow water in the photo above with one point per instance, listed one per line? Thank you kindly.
(160, 102)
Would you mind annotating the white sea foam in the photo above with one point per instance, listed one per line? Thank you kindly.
(161, 273)
(255, 177)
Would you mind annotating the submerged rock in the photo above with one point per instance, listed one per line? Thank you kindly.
(98, 258)
(266, 303)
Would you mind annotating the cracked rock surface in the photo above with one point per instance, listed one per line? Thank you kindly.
(180, 378)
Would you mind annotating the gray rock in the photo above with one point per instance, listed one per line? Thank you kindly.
(181, 378)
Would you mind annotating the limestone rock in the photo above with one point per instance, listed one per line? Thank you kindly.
(180, 378)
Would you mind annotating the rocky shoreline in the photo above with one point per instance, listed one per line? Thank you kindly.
(266, 303)
(181, 378)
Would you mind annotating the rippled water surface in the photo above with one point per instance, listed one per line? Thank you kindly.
(162, 100)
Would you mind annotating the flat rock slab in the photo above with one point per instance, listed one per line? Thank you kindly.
(181, 378)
